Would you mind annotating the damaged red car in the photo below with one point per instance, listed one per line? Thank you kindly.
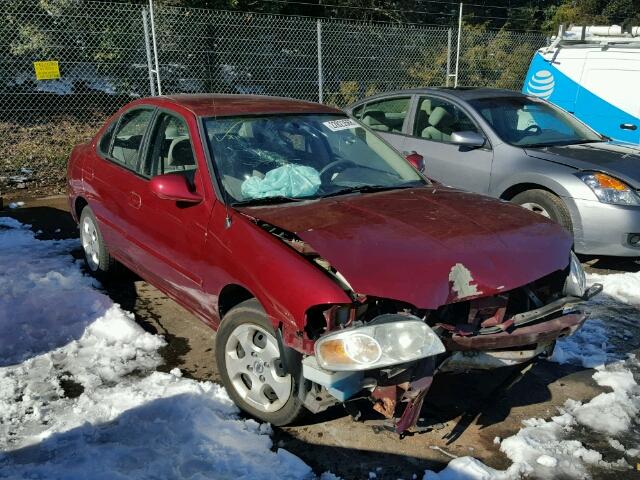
(331, 268)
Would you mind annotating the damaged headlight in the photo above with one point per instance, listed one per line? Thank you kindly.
(576, 282)
(385, 341)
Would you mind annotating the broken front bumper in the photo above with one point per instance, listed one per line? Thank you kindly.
(518, 340)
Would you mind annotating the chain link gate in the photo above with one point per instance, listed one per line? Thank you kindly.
(110, 53)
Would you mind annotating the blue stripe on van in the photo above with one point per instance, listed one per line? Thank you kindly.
(544, 80)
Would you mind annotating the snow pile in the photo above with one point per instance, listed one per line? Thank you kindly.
(624, 287)
(85, 401)
(550, 448)
(558, 447)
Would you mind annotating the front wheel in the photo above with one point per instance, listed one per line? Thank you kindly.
(250, 364)
(546, 204)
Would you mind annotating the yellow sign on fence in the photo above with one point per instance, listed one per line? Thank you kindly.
(49, 70)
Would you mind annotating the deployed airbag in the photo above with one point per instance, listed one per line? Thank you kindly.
(287, 181)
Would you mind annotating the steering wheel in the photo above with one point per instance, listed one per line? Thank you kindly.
(334, 167)
(533, 129)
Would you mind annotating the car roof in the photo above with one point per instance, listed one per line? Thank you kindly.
(462, 93)
(211, 105)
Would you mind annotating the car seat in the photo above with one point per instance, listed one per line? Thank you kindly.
(422, 118)
(180, 154)
(376, 119)
(440, 126)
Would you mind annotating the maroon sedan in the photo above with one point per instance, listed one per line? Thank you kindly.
(331, 268)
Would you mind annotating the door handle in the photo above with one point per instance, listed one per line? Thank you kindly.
(628, 126)
(135, 200)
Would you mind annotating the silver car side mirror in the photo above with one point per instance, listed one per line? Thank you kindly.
(468, 139)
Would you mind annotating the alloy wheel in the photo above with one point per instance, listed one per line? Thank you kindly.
(90, 243)
(252, 359)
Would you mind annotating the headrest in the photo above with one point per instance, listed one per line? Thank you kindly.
(182, 154)
(377, 115)
(425, 106)
(440, 118)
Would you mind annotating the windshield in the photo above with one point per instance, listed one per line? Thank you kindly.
(271, 159)
(530, 122)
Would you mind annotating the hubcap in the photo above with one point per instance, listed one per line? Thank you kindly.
(90, 243)
(537, 208)
(253, 364)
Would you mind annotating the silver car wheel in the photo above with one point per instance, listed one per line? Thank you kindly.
(90, 243)
(537, 208)
(252, 360)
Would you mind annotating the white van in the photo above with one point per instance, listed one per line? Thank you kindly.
(594, 73)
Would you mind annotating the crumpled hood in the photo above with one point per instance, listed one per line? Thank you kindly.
(621, 160)
(425, 246)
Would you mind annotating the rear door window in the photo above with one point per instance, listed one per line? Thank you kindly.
(387, 115)
(127, 142)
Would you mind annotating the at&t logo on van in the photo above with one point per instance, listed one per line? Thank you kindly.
(541, 84)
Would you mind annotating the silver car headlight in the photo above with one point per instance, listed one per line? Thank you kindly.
(576, 283)
(609, 189)
(383, 342)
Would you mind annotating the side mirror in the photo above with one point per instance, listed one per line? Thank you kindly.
(468, 139)
(173, 186)
(416, 160)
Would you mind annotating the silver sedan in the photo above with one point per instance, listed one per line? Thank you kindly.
(519, 148)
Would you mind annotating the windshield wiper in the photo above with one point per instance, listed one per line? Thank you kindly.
(367, 189)
(560, 143)
(268, 201)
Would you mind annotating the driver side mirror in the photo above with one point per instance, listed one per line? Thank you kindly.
(468, 139)
(173, 186)
(416, 160)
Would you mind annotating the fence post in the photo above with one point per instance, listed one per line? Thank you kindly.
(455, 80)
(449, 32)
(155, 46)
(147, 45)
(320, 76)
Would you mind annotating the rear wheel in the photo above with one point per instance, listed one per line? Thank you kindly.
(96, 255)
(546, 204)
(250, 364)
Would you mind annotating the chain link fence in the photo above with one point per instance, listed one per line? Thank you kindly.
(105, 55)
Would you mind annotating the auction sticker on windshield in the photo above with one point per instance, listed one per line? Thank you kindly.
(342, 124)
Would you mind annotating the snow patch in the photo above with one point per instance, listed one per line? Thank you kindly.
(548, 449)
(79, 394)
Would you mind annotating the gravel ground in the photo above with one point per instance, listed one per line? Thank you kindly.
(468, 411)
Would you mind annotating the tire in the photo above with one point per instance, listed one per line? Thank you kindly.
(546, 204)
(96, 256)
(253, 374)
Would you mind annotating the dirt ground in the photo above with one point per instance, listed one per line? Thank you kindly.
(467, 411)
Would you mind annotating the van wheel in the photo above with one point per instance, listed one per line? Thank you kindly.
(249, 361)
(546, 204)
(96, 255)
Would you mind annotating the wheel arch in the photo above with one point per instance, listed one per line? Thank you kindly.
(518, 188)
(232, 295)
(79, 203)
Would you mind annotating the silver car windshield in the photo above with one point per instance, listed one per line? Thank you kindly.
(274, 159)
(530, 122)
